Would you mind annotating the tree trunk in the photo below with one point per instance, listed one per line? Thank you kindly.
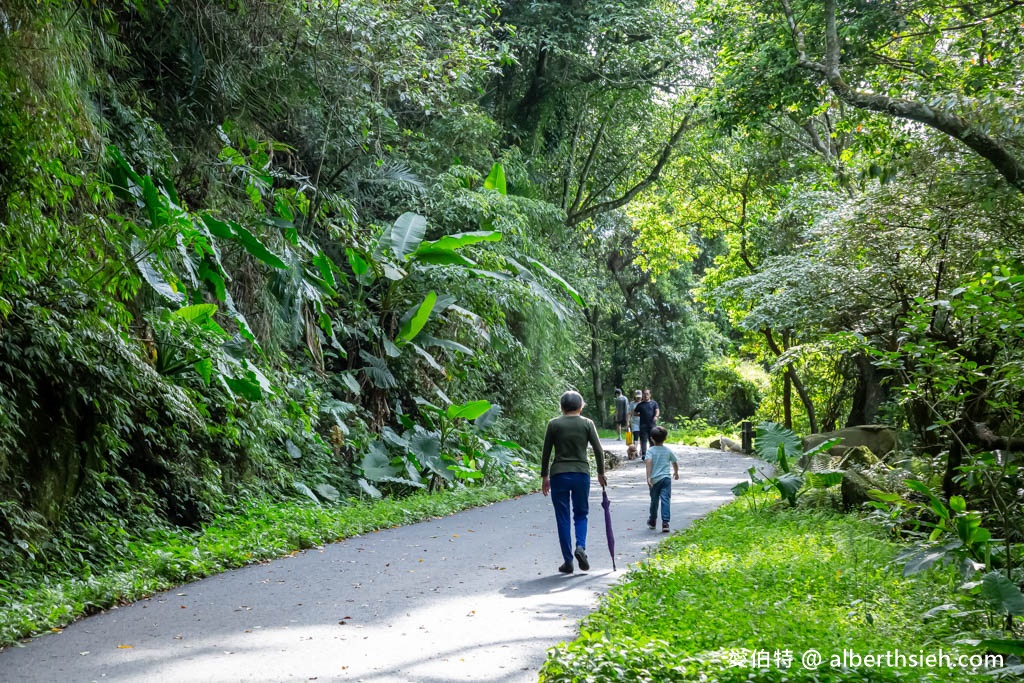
(593, 316)
(868, 395)
(805, 398)
(787, 401)
(791, 381)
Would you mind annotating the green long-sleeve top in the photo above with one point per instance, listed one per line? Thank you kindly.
(569, 436)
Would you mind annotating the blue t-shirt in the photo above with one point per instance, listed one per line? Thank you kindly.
(661, 458)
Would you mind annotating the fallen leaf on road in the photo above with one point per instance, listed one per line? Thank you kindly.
(125, 647)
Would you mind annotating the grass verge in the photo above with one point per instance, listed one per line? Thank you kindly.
(163, 558)
(742, 596)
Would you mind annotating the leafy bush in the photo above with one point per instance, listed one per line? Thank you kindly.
(733, 390)
(740, 582)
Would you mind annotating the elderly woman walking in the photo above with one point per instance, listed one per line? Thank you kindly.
(567, 476)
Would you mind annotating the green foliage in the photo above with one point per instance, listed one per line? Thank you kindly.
(698, 432)
(447, 449)
(733, 390)
(952, 534)
(777, 445)
(741, 582)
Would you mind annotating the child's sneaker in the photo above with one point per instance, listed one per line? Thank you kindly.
(650, 524)
(664, 527)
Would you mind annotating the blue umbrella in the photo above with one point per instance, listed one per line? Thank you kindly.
(606, 504)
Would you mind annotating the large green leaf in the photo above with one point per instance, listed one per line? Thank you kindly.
(470, 410)
(377, 371)
(369, 488)
(428, 357)
(447, 344)
(376, 464)
(415, 322)
(305, 490)
(357, 262)
(1003, 646)
(788, 485)
(326, 266)
(487, 420)
(198, 313)
(821, 447)
(251, 243)
(459, 240)
(496, 180)
(350, 382)
(217, 227)
(407, 233)
(246, 387)
(426, 446)
(256, 248)
(769, 436)
(922, 559)
(442, 257)
(204, 366)
(558, 278)
(327, 492)
(1002, 594)
(148, 269)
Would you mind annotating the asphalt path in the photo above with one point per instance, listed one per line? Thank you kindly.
(474, 596)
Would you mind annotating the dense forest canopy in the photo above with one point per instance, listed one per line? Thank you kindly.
(351, 248)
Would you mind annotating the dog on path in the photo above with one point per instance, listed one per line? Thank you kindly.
(631, 452)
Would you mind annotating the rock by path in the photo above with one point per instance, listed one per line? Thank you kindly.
(470, 597)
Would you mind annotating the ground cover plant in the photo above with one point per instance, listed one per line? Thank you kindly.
(744, 593)
(35, 601)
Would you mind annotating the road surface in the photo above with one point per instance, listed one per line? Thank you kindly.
(475, 596)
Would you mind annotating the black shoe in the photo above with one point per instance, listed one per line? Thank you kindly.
(650, 524)
(664, 527)
(581, 557)
(566, 568)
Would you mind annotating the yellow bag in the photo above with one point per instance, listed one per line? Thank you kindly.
(629, 438)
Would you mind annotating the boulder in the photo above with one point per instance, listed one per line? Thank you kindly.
(612, 459)
(730, 445)
(879, 439)
(858, 456)
(854, 489)
(716, 444)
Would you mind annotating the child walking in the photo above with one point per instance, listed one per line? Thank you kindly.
(658, 459)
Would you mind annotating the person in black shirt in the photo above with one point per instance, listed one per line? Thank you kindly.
(648, 412)
(621, 418)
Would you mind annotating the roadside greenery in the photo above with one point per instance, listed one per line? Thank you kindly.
(35, 600)
(749, 580)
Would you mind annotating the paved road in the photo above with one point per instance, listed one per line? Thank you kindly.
(471, 597)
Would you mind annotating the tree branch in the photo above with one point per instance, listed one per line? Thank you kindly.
(585, 173)
(1001, 158)
(992, 441)
(649, 179)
